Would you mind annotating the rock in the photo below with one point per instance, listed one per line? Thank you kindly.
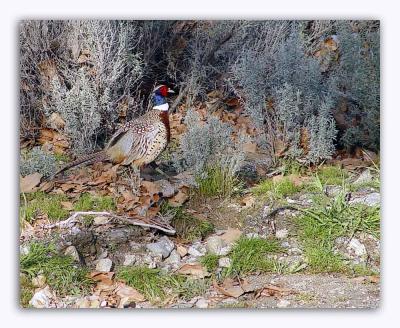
(225, 250)
(197, 249)
(332, 191)
(252, 235)
(202, 303)
(103, 255)
(152, 261)
(72, 251)
(104, 265)
(24, 249)
(182, 250)
(163, 247)
(364, 177)
(373, 199)
(285, 244)
(129, 259)
(165, 187)
(99, 220)
(39, 281)
(357, 247)
(42, 298)
(173, 258)
(295, 251)
(214, 245)
(283, 304)
(281, 234)
(224, 262)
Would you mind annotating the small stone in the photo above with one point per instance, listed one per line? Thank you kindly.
(252, 235)
(231, 235)
(285, 244)
(295, 251)
(283, 304)
(103, 255)
(197, 249)
(99, 220)
(163, 247)
(39, 281)
(42, 298)
(24, 249)
(104, 265)
(357, 247)
(129, 259)
(224, 262)
(364, 177)
(372, 199)
(225, 250)
(72, 251)
(173, 258)
(103, 303)
(214, 245)
(152, 261)
(202, 303)
(332, 191)
(182, 250)
(281, 234)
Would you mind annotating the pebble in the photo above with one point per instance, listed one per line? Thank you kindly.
(163, 247)
(104, 265)
(72, 251)
(364, 177)
(99, 220)
(372, 199)
(214, 245)
(283, 304)
(224, 262)
(173, 258)
(281, 234)
(202, 303)
(129, 259)
(182, 250)
(197, 249)
(42, 298)
(39, 281)
(357, 247)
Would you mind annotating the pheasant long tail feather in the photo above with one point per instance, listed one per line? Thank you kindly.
(87, 159)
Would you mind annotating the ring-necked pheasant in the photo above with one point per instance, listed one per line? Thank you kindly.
(138, 142)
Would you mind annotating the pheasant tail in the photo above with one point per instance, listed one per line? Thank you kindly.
(87, 159)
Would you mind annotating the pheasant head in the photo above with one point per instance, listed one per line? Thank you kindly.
(159, 97)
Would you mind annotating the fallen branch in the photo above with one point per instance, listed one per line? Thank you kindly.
(143, 222)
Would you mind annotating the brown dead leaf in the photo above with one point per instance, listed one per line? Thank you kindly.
(128, 292)
(151, 187)
(178, 199)
(56, 121)
(247, 201)
(105, 278)
(250, 147)
(272, 290)
(29, 182)
(194, 269)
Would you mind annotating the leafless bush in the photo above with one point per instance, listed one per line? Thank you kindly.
(39, 161)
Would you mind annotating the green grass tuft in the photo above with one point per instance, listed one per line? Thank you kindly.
(210, 262)
(250, 255)
(331, 175)
(281, 188)
(187, 226)
(219, 182)
(62, 274)
(156, 286)
(321, 225)
(89, 202)
(40, 203)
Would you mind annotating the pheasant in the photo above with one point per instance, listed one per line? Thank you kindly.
(138, 142)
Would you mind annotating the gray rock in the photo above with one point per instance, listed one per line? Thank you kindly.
(39, 281)
(163, 247)
(104, 265)
(152, 261)
(332, 191)
(283, 304)
(99, 220)
(174, 258)
(214, 245)
(281, 234)
(197, 249)
(129, 259)
(364, 177)
(42, 298)
(373, 199)
(165, 187)
(224, 262)
(202, 303)
(72, 251)
(358, 248)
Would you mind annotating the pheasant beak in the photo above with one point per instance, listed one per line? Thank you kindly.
(170, 91)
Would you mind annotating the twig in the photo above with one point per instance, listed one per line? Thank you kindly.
(145, 222)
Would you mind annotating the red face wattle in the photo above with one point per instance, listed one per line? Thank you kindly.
(164, 90)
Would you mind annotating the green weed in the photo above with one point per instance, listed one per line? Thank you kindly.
(331, 175)
(62, 274)
(281, 188)
(210, 262)
(218, 182)
(89, 202)
(40, 203)
(250, 255)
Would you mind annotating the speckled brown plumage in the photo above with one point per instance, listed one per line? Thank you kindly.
(138, 142)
